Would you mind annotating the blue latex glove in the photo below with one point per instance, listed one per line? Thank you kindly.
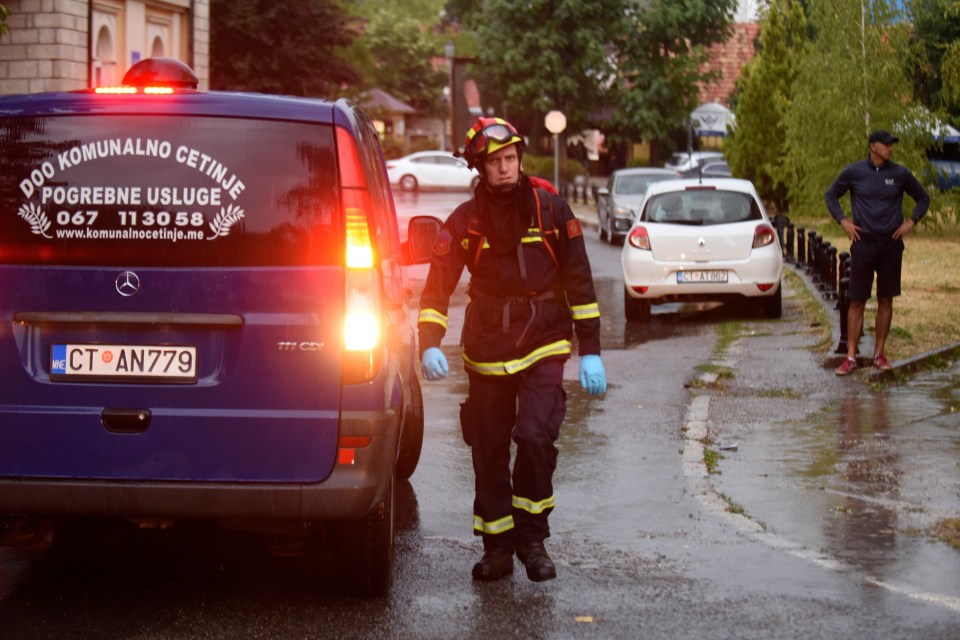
(592, 376)
(434, 364)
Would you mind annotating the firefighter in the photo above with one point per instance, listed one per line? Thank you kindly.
(530, 288)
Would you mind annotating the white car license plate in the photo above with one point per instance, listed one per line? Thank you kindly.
(120, 362)
(687, 277)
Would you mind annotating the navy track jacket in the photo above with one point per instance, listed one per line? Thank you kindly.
(876, 196)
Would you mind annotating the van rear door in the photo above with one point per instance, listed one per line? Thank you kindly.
(171, 298)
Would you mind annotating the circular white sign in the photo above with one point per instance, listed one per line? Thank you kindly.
(555, 122)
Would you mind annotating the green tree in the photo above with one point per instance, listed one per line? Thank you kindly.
(659, 61)
(757, 148)
(400, 53)
(540, 55)
(936, 50)
(850, 82)
(630, 67)
(288, 47)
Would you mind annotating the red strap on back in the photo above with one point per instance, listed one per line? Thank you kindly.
(543, 232)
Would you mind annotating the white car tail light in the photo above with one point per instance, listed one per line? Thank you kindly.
(763, 236)
(639, 238)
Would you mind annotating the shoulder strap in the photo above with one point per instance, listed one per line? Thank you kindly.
(548, 230)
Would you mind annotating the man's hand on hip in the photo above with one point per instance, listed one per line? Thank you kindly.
(904, 228)
(852, 230)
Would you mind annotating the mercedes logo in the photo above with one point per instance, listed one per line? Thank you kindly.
(128, 283)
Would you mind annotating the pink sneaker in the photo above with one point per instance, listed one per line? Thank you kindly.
(848, 365)
(880, 362)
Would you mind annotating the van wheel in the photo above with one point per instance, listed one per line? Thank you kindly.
(411, 436)
(365, 549)
(772, 306)
(408, 183)
(634, 309)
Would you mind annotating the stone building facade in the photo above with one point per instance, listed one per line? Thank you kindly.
(63, 45)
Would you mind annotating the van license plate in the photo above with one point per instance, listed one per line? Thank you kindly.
(686, 277)
(123, 362)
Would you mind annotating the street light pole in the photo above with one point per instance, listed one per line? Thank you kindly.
(450, 51)
(556, 122)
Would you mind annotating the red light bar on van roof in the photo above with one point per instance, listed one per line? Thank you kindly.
(132, 90)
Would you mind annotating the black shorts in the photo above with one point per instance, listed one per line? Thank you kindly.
(875, 254)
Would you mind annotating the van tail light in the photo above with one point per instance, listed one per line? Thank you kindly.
(763, 236)
(363, 313)
(639, 238)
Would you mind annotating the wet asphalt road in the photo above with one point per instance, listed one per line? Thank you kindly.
(833, 484)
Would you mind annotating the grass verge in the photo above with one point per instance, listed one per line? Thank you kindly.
(926, 316)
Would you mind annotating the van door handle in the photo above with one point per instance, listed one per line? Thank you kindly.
(125, 420)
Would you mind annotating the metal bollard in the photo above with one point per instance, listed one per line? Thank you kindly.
(843, 271)
(801, 246)
(843, 305)
(823, 267)
(831, 278)
(813, 241)
(811, 251)
(791, 257)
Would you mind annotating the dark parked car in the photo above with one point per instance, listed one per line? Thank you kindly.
(205, 316)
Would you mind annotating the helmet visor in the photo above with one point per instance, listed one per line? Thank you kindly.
(498, 133)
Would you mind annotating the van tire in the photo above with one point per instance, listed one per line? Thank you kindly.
(411, 436)
(365, 549)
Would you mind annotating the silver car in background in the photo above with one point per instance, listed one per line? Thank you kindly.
(619, 202)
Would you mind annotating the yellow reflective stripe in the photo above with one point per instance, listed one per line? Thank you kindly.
(465, 243)
(584, 311)
(560, 347)
(497, 526)
(533, 507)
(432, 315)
(533, 235)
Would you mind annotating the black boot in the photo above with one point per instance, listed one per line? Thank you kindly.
(495, 564)
(537, 561)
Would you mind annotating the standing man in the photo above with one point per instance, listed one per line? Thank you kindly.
(876, 185)
(530, 287)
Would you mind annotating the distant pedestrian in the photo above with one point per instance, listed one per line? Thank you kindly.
(876, 185)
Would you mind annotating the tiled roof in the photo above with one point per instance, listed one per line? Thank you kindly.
(380, 100)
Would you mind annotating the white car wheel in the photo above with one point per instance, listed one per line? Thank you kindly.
(408, 183)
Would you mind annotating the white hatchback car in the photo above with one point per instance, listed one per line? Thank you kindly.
(701, 240)
(431, 170)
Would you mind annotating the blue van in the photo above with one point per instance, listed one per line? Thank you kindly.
(203, 315)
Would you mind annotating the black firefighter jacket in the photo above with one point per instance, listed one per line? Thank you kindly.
(519, 314)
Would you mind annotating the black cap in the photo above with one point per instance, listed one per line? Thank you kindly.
(882, 136)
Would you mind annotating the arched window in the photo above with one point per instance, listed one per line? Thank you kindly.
(104, 63)
(158, 49)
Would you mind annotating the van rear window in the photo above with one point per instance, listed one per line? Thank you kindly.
(160, 190)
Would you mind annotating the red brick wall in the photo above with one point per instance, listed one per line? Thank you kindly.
(728, 58)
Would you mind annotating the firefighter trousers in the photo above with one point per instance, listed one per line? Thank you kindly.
(528, 407)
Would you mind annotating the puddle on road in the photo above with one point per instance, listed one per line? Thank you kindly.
(864, 478)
